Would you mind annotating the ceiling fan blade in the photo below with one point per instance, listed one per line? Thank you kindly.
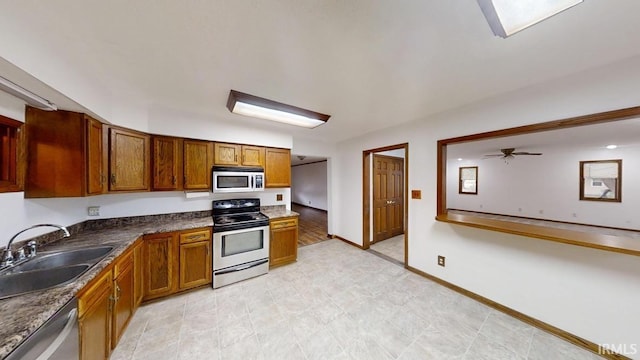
(525, 153)
(493, 155)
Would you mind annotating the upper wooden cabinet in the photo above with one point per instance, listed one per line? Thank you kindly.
(238, 155)
(128, 160)
(253, 156)
(166, 163)
(64, 154)
(277, 170)
(198, 156)
(12, 161)
(70, 154)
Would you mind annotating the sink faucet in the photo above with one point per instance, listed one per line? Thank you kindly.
(8, 259)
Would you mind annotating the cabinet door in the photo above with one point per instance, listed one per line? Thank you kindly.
(94, 321)
(56, 153)
(277, 168)
(123, 297)
(195, 264)
(283, 242)
(128, 160)
(165, 163)
(227, 154)
(159, 263)
(95, 175)
(197, 164)
(252, 156)
(138, 282)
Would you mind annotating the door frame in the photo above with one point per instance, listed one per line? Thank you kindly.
(367, 155)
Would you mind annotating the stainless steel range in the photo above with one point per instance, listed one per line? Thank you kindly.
(240, 241)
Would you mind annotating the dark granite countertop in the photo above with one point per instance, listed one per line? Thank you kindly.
(22, 315)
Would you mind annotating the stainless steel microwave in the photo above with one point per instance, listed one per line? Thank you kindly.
(228, 179)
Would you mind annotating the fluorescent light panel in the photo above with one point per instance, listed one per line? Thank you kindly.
(507, 17)
(26, 95)
(254, 106)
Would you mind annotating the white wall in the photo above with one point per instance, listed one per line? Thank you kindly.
(588, 292)
(309, 185)
(547, 187)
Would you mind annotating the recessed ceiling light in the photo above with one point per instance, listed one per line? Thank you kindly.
(611, 147)
(459, 159)
(254, 106)
(507, 17)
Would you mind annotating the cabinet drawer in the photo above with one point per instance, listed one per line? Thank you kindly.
(93, 291)
(289, 222)
(124, 262)
(195, 236)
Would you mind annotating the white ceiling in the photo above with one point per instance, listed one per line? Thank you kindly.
(368, 63)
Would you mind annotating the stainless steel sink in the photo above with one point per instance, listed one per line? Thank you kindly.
(70, 257)
(25, 282)
(48, 270)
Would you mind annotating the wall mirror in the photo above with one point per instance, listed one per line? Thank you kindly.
(530, 171)
(600, 180)
(468, 180)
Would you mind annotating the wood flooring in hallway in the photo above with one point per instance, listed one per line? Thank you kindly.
(312, 225)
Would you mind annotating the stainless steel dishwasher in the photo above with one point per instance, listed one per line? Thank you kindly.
(57, 339)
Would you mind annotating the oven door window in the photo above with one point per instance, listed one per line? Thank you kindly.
(242, 242)
(232, 181)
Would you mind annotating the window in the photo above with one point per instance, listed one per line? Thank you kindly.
(11, 155)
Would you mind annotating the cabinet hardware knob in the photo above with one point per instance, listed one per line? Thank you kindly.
(174, 180)
(113, 179)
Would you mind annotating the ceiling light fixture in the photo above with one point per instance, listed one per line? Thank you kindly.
(507, 17)
(611, 147)
(26, 95)
(254, 106)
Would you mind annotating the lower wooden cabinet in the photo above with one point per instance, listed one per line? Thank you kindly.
(94, 318)
(123, 298)
(195, 259)
(159, 265)
(176, 261)
(106, 305)
(138, 284)
(283, 241)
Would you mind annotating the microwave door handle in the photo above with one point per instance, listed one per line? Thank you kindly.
(252, 176)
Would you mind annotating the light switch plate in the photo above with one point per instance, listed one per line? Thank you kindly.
(416, 194)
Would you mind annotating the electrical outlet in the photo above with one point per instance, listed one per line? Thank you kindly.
(278, 197)
(94, 210)
(441, 260)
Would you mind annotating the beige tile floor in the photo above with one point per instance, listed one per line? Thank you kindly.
(393, 248)
(336, 302)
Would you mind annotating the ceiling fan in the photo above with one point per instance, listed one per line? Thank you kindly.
(510, 153)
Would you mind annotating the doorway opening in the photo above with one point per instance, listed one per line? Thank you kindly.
(385, 199)
(309, 197)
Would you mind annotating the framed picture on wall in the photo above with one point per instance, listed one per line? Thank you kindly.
(601, 180)
(468, 180)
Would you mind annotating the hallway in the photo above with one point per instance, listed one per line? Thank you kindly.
(312, 225)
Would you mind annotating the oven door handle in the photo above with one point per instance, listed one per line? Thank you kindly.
(244, 267)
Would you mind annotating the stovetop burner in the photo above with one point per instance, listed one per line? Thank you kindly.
(239, 218)
(237, 214)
